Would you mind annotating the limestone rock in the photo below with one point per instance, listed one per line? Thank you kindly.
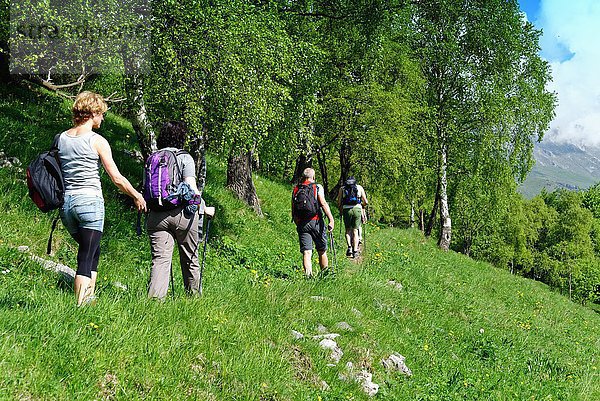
(396, 362)
(296, 335)
(336, 352)
(396, 285)
(344, 326)
(363, 377)
(328, 336)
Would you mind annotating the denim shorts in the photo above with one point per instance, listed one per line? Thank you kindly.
(82, 211)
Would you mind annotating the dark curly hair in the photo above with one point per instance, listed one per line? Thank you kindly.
(172, 135)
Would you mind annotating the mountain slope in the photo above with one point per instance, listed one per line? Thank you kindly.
(467, 330)
(562, 165)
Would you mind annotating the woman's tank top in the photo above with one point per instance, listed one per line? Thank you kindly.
(80, 164)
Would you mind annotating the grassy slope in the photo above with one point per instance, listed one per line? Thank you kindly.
(468, 331)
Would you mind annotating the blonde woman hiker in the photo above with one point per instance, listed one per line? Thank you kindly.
(81, 151)
(352, 202)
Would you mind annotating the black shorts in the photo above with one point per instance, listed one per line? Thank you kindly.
(312, 231)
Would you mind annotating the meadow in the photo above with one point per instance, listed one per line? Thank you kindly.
(468, 331)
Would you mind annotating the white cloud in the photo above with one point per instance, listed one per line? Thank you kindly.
(573, 26)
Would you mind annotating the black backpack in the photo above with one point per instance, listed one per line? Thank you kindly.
(46, 184)
(350, 193)
(305, 204)
(45, 180)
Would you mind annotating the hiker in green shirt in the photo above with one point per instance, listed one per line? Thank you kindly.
(352, 201)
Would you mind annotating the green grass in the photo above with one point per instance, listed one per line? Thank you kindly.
(468, 331)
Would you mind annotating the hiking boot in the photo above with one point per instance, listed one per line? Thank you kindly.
(349, 252)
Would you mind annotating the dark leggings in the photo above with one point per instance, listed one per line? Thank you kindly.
(89, 251)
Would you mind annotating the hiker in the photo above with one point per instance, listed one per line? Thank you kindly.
(352, 202)
(179, 223)
(80, 150)
(308, 205)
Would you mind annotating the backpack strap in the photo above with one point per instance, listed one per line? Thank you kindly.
(54, 145)
(54, 223)
(179, 153)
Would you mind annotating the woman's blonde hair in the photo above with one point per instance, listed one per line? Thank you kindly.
(86, 105)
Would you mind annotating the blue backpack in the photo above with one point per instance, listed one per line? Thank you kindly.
(350, 193)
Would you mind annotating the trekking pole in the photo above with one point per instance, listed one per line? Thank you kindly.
(204, 255)
(341, 222)
(334, 252)
(364, 229)
(172, 283)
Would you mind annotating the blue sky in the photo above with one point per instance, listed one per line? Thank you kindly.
(531, 8)
(571, 31)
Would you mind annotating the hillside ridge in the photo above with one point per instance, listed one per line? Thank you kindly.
(465, 329)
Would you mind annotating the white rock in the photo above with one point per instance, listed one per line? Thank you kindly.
(322, 329)
(344, 326)
(329, 336)
(328, 344)
(297, 335)
(396, 285)
(364, 378)
(120, 285)
(336, 352)
(366, 383)
(396, 362)
(357, 313)
(23, 248)
(66, 271)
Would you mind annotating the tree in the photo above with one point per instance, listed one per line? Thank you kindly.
(481, 64)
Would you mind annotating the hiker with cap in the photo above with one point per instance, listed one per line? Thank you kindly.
(175, 205)
(352, 201)
(308, 206)
(81, 151)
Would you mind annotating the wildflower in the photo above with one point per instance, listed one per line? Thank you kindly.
(481, 331)
(426, 347)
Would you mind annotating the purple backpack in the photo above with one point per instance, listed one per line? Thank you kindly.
(162, 177)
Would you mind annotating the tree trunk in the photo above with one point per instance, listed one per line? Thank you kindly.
(239, 179)
(136, 109)
(432, 215)
(345, 164)
(412, 214)
(303, 161)
(446, 223)
(322, 160)
(4, 62)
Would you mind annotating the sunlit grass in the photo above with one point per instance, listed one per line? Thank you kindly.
(468, 331)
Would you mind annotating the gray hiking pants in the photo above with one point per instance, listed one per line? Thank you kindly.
(164, 228)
